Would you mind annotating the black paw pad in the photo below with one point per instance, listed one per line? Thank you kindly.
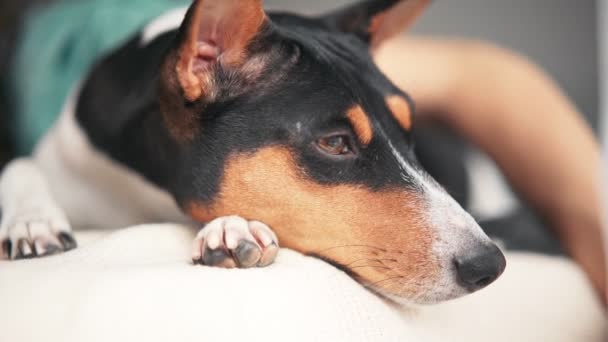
(247, 253)
(217, 257)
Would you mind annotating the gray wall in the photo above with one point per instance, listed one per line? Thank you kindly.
(603, 24)
(560, 35)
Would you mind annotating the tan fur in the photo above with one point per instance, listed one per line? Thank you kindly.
(376, 234)
(229, 25)
(400, 110)
(361, 124)
(247, 18)
(181, 121)
(193, 86)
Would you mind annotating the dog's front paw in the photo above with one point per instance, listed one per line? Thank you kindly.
(232, 241)
(34, 231)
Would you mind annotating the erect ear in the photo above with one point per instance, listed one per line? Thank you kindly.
(215, 33)
(375, 21)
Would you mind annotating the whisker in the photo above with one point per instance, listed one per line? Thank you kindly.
(353, 246)
(402, 288)
(383, 280)
(380, 267)
(388, 259)
(371, 260)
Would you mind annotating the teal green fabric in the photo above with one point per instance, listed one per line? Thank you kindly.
(59, 44)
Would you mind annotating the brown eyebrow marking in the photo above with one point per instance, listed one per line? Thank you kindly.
(361, 124)
(401, 111)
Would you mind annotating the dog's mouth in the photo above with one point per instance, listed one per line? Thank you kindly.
(335, 264)
(472, 270)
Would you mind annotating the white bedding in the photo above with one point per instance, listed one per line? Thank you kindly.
(138, 285)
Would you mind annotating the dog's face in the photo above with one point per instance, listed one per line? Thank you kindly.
(287, 120)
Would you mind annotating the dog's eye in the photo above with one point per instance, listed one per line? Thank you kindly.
(335, 145)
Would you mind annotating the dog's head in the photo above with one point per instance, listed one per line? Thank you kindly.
(287, 120)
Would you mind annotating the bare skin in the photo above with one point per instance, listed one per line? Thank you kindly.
(515, 113)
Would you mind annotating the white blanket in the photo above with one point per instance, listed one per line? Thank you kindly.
(139, 285)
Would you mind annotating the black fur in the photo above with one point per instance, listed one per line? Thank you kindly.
(328, 73)
(118, 110)
(317, 69)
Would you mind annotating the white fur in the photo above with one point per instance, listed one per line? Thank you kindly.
(93, 190)
(28, 208)
(165, 23)
(456, 231)
(228, 232)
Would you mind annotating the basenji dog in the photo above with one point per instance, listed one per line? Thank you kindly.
(262, 127)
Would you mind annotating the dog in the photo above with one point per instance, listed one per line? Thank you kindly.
(260, 127)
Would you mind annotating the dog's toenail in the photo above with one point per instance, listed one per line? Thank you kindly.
(39, 247)
(7, 248)
(67, 241)
(24, 250)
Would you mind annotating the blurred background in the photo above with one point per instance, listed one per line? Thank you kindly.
(560, 35)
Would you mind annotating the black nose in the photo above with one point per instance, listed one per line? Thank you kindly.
(480, 266)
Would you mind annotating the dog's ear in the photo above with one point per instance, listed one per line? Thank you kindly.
(375, 21)
(215, 34)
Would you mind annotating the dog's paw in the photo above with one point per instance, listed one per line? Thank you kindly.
(34, 231)
(232, 241)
